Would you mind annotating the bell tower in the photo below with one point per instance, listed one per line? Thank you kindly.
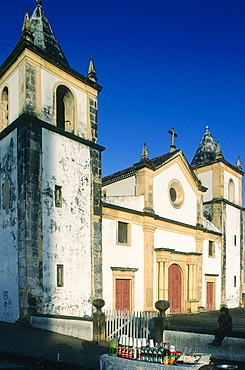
(223, 207)
(50, 178)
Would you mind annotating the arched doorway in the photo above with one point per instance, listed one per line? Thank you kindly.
(174, 288)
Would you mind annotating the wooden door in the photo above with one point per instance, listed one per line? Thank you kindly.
(210, 296)
(122, 294)
(174, 288)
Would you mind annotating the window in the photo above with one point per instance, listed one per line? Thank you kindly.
(234, 240)
(58, 196)
(60, 275)
(176, 193)
(231, 191)
(211, 248)
(65, 112)
(122, 232)
(234, 281)
(4, 119)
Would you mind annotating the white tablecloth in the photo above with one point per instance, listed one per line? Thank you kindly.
(117, 363)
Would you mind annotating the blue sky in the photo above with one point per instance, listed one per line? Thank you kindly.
(162, 64)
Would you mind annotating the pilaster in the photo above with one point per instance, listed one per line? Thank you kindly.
(149, 230)
(30, 248)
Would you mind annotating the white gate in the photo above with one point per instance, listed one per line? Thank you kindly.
(133, 324)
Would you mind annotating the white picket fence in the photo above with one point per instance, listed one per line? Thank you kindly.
(133, 324)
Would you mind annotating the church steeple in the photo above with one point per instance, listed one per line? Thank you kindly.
(44, 37)
(207, 150)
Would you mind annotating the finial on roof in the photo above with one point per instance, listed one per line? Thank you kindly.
(39, 2)
(218, 151)
(239, 163)
(173, 135)
(144, 154)
(26, 28)
(91, 70)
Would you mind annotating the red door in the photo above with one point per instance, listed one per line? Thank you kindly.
(122, 294)
(174, 288)
(210, 296)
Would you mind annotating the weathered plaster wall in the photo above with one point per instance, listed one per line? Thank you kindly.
(132, 202)
(162, 206)
(125, 257)
(66, 230)
(121, 188)
(9, 302)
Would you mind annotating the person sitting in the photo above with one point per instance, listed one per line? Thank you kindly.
(225, 326)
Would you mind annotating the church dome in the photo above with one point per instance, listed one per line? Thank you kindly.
(207, 150)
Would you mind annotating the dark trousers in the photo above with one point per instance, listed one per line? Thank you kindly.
(219, 336)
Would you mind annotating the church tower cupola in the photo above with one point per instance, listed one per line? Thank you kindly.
(207, 151)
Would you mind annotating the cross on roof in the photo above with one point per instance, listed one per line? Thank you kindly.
(173, 134)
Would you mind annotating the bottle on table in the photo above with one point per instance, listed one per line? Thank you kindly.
(139, 349)
(130, 348)
(166, 353)
(160, 354)
(171, 359)
(155, 353)
(113, 346)
(134, 349)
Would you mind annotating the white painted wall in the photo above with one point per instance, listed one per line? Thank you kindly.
(162, 205)
(122, 256)
(121, 188)
(9, 301)
(133, 202)
(227, 177)
(207, 181)
(171, 240)
(66, 230)
(47, 101)
(13, 86)
(211, 265)
(232, 256)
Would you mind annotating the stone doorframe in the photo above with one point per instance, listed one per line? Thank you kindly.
(124, 273)
(189, 264)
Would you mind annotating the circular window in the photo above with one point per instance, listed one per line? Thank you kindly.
(176, 193)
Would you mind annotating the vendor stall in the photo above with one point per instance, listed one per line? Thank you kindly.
(117, 363)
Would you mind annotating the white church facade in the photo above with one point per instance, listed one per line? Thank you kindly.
(156, 242)
(161, 229)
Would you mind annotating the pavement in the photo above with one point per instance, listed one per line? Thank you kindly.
(35, 348)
